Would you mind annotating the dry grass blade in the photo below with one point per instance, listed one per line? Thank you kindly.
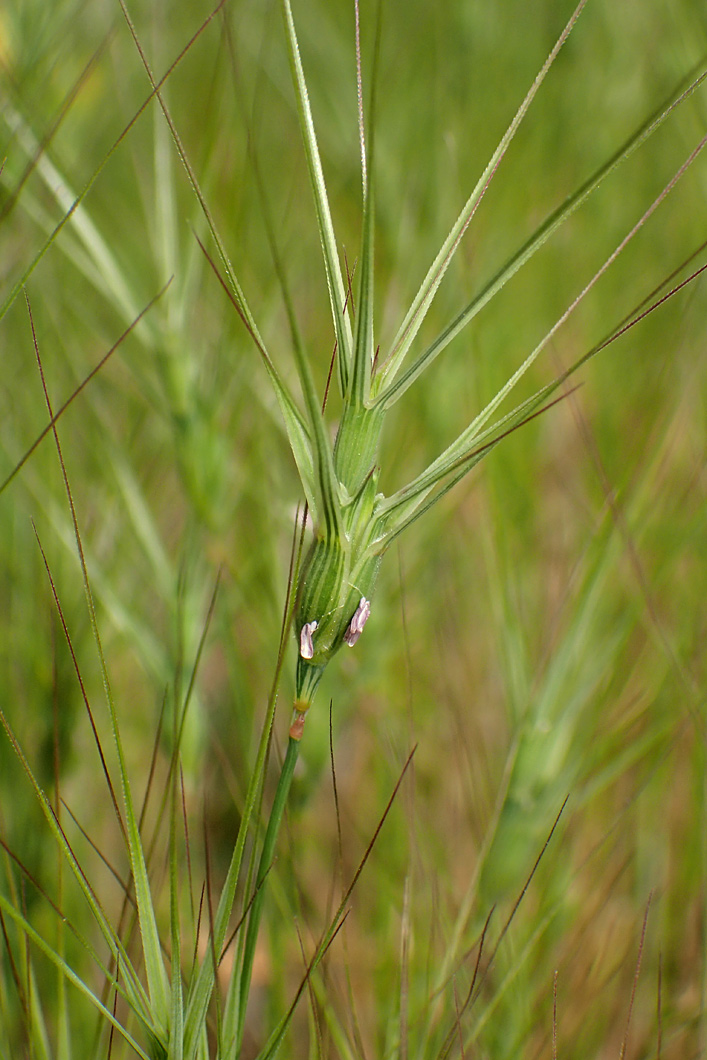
(43, 145)
(624, 1043)
(338, 919)
(84, 694)
(151, 946)
(94, 371)
(459, 1010)
(554, 1016)
(477, 983)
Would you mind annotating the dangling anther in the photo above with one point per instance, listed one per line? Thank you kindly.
(358, 621)
(306, 647)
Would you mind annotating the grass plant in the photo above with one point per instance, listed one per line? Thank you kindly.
(236, 242)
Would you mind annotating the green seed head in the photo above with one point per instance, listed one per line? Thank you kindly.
(334, 606)
(356, 445)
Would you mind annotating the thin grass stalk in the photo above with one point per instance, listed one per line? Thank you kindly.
(201, 988)
(176, 1025)
(336, 923)
(156, 975)
(63, 1022)
(266, 858)
(135, 992)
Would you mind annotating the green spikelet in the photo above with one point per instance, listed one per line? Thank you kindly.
(336, 586)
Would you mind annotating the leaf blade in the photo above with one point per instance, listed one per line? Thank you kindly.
(542, 234)
(335, 283)
(435, 274)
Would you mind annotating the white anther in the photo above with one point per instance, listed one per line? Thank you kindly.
(358, 622)
(306, 648)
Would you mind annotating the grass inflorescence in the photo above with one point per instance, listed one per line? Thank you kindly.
(275, 279)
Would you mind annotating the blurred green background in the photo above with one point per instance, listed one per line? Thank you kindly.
(540, 634)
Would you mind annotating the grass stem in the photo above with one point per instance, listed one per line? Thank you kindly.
(266, 859)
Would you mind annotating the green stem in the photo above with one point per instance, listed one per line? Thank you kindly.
(266, 859)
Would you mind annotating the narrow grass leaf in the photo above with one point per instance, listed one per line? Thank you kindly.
(391, 393)
(9, 910)
(424, 297)
(151, 947)
(156, 974)
(201, 987)
(359, 391)
(397, 512)
(176, 1029)
(231, 1016)
(296, 429)
(359, 431)
(33, 1011)
(462, 448)
(335, 283)
(64, 923)
(134, 989)
(264, 866)
(295, 425)
(328, 505)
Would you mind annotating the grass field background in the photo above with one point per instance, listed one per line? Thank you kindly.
(539, 635)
